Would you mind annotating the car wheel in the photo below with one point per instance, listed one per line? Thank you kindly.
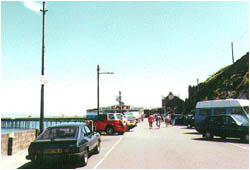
(208, 135)
(120, 133)
(98, 148)
(36, 161)
(85, 158)
(110, 131)
(245, 138)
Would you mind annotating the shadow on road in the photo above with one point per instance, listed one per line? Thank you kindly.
(227, 140)
(192, 133)
(53, 165)
(50, 165)
(187, 128)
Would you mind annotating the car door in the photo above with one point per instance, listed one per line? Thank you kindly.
(90, 137)
(217, 129)
(83, 140)
(225, 127)
(231, 129)
(100, 122)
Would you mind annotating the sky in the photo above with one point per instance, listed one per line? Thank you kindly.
(153, 48)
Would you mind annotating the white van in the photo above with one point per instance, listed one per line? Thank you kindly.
(216, 107)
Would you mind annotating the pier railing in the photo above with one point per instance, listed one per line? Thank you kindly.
(33, 123)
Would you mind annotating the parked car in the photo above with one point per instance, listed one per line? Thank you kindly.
(71, 142)
(131, 123)
(110, 123)
(135, 114)
(207, 108)
(226, 126)
(190, 121)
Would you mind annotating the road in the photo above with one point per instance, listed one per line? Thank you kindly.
(174, 147)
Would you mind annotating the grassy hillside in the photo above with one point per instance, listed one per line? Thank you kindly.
(229, 82)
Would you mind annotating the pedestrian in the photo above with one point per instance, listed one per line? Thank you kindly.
(167, 119)
(150, 121)
(163, 117)
(158, 120)
(173, 119)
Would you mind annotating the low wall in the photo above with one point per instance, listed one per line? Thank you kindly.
(11, 143)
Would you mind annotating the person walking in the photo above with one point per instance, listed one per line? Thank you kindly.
(150, 121)
(158, 120)
(173, 119)
(142, 117)
(167, 119)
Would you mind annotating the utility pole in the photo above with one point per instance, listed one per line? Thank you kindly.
(232, 51)
(120, 100)
(163, 105)
(42, 83)
(98, 74)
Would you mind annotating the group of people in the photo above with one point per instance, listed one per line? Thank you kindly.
(168, 119)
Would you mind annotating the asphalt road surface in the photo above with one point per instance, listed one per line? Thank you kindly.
(174, 147)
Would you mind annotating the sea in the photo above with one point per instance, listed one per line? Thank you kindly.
(9, 130)
(18, 115)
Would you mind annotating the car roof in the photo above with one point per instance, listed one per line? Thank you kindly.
(222, 103)
(70, 125)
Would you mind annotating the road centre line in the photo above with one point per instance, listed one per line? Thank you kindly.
(239, 146)
(108, 153)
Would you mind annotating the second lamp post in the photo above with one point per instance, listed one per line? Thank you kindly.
(98, 73)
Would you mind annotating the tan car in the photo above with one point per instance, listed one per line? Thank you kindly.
(131, 122)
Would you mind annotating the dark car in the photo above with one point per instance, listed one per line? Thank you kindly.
(236, 126)
(190, 121)
(71, 142)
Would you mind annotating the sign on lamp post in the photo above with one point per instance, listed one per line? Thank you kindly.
(170, 97)
(44, 79)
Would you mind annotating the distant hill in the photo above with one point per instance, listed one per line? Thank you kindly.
(230, 82)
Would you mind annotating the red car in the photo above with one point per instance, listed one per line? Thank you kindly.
(110, 123)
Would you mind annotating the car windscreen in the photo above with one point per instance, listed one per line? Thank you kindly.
(246, 109)
(59, 133)
(241, 119)
(128, 113)
(119, 116)
(131, 117)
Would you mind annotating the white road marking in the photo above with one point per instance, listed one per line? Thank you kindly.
(108, 153)
(240, 146)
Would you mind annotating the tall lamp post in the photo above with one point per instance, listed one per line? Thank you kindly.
(98, 74)
(170, 97)
(120, 100)
(163, 105)
(43, 79)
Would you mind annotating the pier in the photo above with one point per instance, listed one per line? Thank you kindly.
(33, 123)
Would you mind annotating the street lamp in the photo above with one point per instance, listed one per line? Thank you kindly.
(43, 78)
(163, 105)
(98, 73)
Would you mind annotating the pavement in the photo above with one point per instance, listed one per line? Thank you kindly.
(14, 161)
